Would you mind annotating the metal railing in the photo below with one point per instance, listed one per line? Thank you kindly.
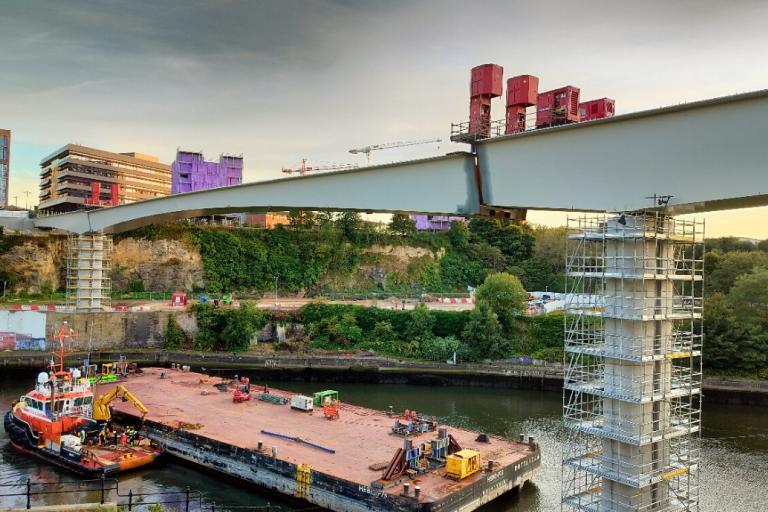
(104, 490)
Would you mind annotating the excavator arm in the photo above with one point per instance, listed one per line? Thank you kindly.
(101, 404)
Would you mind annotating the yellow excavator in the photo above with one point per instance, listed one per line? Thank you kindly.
(101, 410)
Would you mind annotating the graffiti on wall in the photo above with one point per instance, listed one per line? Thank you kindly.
(22, 330)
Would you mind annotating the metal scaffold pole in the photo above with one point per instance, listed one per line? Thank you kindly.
(89, 284)
(632, 391)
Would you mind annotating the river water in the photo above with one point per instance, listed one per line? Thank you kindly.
(734, 470)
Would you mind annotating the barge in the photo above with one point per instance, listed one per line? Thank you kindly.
(361, 460)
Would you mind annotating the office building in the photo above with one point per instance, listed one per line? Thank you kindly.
(76, 177)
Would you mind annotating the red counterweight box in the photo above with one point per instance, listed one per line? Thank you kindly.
(522, 90)
(521, 93)
(487, 80)
(597, 109)
(558, 106)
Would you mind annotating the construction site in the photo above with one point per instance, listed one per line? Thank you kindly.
(325, 451)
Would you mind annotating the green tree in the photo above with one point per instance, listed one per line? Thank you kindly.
(514, 240)
(345, 331)
(535, 274)
(437, 348)
(728, 244)
(421, 323)
(490, 259)
(383, 338)
(549, 247)
(402, 225)
(458, 270)
(458, 235)
(349, 223)
(241, 325)
(483, 334)
(174, 337)
(210, 322)
(506, 297)
(749, 299)
(730, 266)
(301, 219)
(732, 345)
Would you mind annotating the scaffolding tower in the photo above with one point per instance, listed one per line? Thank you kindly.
(632, 391)
(89, 284)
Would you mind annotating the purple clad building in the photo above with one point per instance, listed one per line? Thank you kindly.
(190, 172)
(435, 222)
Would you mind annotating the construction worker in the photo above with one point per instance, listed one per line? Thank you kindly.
(123, 439)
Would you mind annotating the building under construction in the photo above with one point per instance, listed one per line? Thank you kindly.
(191, 172)
(632, 388)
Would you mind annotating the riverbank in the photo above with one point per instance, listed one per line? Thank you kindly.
(372, 369)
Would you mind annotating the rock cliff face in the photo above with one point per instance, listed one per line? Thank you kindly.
(35, 264)
(160, 264)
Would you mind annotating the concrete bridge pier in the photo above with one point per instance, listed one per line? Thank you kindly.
(632, 388)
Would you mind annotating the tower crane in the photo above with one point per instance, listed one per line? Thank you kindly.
(367, 150)
(304, 168)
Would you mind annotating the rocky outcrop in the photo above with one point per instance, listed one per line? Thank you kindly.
(159, 264)
(35, 264)
(404, 253)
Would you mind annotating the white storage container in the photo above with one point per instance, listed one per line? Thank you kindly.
(302, 403)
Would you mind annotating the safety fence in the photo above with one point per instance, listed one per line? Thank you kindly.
(28, 493)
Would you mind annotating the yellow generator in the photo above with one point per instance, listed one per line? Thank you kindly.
(462, 464)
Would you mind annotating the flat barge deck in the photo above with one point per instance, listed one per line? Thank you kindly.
(194, 416)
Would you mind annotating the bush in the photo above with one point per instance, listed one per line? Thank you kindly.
(174, 337)
(136, 286)
(227, 329)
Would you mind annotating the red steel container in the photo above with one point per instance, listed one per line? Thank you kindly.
(521, 93)
(487, 80)
(558, 106)
(596, 109)
(522, 90)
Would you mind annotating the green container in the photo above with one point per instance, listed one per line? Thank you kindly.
(321, 395)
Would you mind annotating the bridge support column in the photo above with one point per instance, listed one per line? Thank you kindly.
(88, 272)
(633, 363)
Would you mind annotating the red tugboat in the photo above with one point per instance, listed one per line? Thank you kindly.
(56, 422)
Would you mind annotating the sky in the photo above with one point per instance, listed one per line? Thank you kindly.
(285, 80)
